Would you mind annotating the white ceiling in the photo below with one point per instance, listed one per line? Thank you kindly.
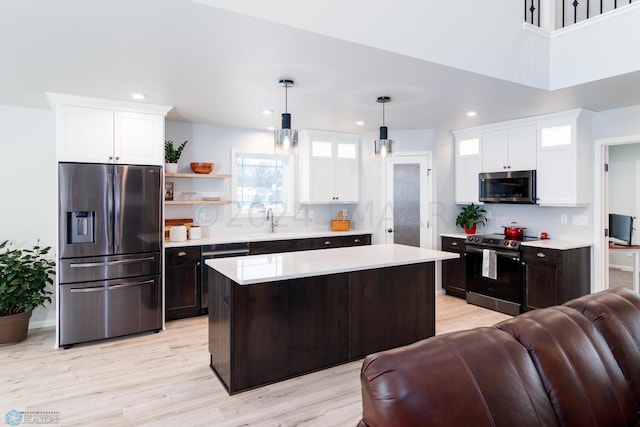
(217, 66)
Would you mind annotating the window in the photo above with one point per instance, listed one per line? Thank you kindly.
(556, 135)
(262, 181)
(469, 147)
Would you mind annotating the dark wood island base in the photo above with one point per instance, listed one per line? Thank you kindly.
(267, 332)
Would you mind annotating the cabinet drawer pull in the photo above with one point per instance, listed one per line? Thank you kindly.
(182, 253)
(327, 242)
(356, 240)
(540, 255)
(454, 244)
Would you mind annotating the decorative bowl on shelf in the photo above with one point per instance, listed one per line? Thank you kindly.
(209, 196)
(201, 167)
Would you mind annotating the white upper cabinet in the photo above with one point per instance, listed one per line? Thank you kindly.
(136, 137)
(558, 146)
(103, 131)
(511, 149)
(468, 161)
(565, 176)
(329, 169)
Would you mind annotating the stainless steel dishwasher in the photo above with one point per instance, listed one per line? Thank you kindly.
(220, 250)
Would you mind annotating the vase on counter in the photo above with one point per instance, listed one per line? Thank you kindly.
(171, 168)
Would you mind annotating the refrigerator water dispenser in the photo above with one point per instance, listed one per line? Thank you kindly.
(80, 226)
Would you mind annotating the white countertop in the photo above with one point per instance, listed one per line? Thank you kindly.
(562, 245)
(290, 265)
(261, 237)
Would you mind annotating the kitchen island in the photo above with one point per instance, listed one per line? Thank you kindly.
(276, 316)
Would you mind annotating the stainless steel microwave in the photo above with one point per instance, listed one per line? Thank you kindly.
(508, 187)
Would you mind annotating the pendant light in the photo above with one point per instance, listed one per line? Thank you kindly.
(383, 147)
(286, 139)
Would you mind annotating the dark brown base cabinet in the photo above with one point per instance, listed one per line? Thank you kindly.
(454, 270)
(182, 282)
(267, 332)
(274, 246)
(553, 277)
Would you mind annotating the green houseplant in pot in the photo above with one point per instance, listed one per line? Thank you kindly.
(470, 216)
(172, 155)
(24, 276)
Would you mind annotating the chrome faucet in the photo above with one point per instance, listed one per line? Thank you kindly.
(272, 221)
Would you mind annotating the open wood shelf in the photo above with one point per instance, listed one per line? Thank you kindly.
(197, 202)
(196, 175)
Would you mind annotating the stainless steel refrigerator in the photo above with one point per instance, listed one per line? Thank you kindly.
(110, 251)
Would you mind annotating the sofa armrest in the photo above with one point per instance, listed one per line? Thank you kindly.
(479, 377)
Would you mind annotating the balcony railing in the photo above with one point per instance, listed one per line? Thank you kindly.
(570, 12)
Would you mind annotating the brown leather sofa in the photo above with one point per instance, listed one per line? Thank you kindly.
(572, 365)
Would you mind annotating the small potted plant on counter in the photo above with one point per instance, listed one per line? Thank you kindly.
(172, 155)
(24, 276)
(470, 216)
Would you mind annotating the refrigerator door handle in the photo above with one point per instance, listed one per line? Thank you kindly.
(111, 287)
(107, 263)
(116, 190)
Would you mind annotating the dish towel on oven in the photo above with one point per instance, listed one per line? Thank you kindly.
(489, 264)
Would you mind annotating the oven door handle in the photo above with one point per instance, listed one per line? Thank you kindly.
(513, 255)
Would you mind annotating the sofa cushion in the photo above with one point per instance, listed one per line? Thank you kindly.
(616, 315)
(482, 377)
(583, 380)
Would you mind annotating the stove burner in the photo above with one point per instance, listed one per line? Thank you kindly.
(497, 241)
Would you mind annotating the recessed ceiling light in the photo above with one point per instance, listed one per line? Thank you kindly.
(267, 112)
(360, 123)
(271, 128)
(137, 96)
(471, 113)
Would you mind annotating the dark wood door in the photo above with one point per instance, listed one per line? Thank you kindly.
(261, 334)
(542, 285)
(182, 282)
(390, 307)
(285, 328)
(454, 270)
(555, 276)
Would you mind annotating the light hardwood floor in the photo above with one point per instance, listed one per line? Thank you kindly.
(164, 379)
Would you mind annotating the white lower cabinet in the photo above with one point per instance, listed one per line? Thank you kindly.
(329, 169)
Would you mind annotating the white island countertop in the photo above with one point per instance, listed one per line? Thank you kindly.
(253, 269)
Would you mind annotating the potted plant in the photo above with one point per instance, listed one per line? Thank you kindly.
(24, 276)
(470, 216)
(172, 155)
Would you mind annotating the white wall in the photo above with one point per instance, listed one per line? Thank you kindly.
(580, 53)
(211, 143)
(29, 196)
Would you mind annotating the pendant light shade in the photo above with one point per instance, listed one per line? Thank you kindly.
(285, 139)
(383, 146)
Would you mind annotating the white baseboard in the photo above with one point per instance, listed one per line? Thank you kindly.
(621, 267)
(42, 324)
